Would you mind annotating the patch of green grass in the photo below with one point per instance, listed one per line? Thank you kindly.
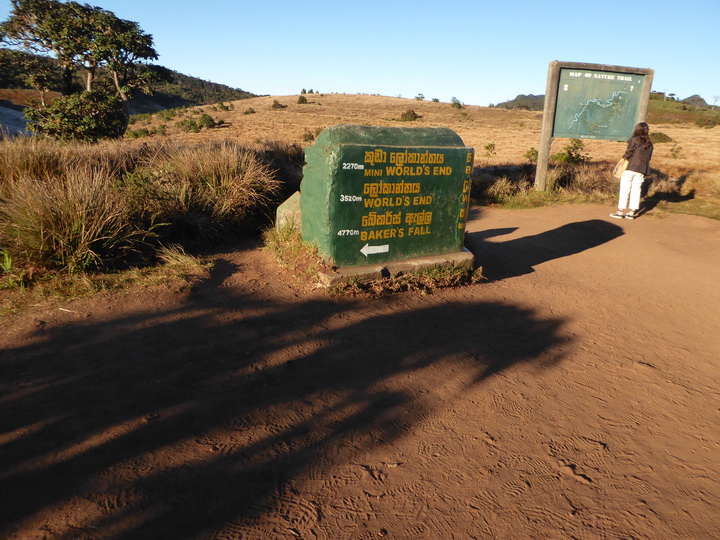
(288, 247)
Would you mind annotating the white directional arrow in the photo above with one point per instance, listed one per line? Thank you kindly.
(371, 250)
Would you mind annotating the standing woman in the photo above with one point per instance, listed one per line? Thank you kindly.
(638, 153)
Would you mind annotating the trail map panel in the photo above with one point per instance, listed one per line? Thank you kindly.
(597, 104)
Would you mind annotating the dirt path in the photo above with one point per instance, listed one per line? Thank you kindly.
(575, 395)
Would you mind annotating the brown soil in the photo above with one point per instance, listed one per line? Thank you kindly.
(573, 395)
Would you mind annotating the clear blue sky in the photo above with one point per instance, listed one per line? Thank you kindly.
(479, 51)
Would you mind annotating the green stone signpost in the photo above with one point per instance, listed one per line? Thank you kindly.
(371, 195)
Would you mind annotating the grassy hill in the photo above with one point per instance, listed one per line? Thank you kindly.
(498, 135)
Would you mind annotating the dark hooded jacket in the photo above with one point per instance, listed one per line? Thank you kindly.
(638, 156)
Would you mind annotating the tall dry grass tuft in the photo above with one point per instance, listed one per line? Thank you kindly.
(22, 157)
(513, 185)
(286, 159)
(202, 191)
(75, 221)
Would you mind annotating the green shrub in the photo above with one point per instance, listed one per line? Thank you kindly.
(86, 116)
(249, 110)
(531, 155)
(206, 121)
(659, 137)
(409, 116)
(277, 105)
(455, 103)
(167, 114)
(188, 125)
(490, 149)
(135, 118)
(571, 153)
(137, 133)
(302, 100)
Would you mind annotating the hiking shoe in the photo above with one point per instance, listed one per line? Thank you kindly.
(617, 215)
(631, 215)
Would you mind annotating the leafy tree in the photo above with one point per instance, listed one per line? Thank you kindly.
(82, 36)
(48, 26)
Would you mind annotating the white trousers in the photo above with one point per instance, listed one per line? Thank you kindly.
(630, 187)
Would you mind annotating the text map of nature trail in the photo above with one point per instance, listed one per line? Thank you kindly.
(597, 104)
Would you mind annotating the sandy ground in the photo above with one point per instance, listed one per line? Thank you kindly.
(576, 394)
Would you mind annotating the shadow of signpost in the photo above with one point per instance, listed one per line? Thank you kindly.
(502, 260)
(202, 415)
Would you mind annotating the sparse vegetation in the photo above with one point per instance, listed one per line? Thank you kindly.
(288, 247)
(676, 151)
(188, 125)
(409, 116)
(302, 100)
(658, 137)
(455, 103)
(571, 153)
(708, 121)
(206, 121)
(424, 281)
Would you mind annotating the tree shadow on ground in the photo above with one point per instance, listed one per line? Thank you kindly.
(184, 422)
(502, 260)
